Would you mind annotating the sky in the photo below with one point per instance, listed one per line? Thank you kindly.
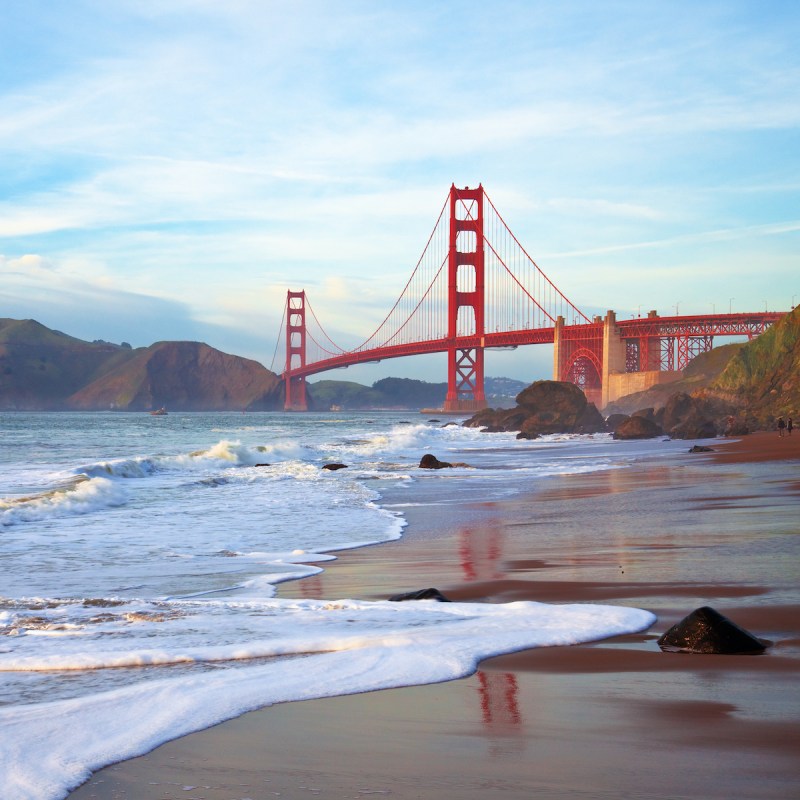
(169, 168)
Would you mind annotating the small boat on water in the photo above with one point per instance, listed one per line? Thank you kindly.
(159, 412)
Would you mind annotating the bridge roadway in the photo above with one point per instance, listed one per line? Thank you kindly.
(653, 327)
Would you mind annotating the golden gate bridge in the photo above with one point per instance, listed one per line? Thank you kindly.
(476, 288)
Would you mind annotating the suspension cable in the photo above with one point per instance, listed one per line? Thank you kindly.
(278, 341)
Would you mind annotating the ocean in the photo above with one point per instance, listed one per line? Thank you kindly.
(140, 555)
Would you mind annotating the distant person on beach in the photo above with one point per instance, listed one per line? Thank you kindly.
(781, 426)
(789, 426)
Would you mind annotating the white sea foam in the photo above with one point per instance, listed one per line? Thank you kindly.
(346, 647)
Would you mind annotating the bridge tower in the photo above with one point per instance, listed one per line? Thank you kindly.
(465, 300)
(295, 387)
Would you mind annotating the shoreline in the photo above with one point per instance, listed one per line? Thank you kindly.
(615, 718)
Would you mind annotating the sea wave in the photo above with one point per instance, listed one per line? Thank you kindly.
(82, 496)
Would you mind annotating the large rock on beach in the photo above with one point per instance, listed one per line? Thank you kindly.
(637, 428)
(543, 407)
(613, 421)
(705, 630)
(689, 417)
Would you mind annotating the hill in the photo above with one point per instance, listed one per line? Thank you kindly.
(42, 369)
(185, 376)
(386, 393)
(403, 393)
(763, 378)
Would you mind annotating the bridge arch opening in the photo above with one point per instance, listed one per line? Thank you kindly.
(584, 370)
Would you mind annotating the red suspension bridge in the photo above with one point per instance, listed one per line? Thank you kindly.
(476, 288)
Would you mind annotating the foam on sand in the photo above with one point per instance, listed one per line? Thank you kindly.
(343, 647)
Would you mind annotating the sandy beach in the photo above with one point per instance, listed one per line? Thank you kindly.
(616, 718)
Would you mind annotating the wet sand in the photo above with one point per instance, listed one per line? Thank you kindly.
(616, 718)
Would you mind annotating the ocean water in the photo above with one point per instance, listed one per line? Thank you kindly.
(139, 557)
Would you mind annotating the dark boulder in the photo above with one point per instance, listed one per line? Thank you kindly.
(262, 465)
(698, 448)
(334, 467)
(590, 421)
(499, 420)
(735, 426)
(614, 421)
(688, 417)
(637, 428)
(420, 594)
(647, 413)
(543, 407)
(552, 406)
(429, 461)
(707, 631)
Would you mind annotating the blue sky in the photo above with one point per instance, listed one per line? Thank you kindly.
(169, 168)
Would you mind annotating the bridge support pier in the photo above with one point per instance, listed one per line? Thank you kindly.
(465, 380)
(614, 354)
(295, 386)
(465, 300)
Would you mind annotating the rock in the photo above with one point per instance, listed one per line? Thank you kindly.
(433, 421)
(614, 421)
(552, 406)
(637, 428)
(698, 448)
(735, 426)
(707, 631)
(688, 417)
(647, 413)
(262, 465)
(499, 420)
(429, 461)
(543, 407)
(334, 467)
(420, 594)
(590, 421)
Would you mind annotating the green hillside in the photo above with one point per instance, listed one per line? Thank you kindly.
(764, 375)
(40, 367)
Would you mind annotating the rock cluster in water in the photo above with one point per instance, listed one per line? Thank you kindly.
(543, 407)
